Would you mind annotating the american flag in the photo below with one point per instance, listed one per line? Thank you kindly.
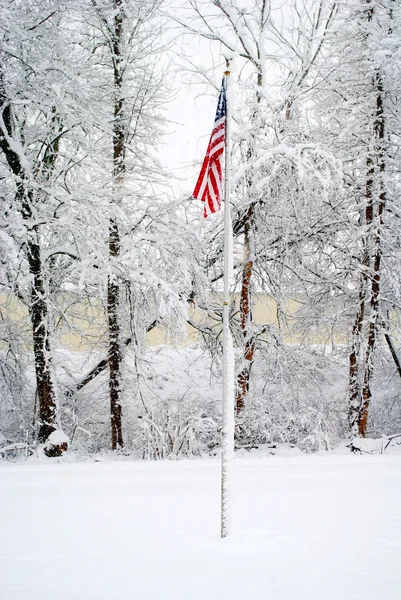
(209, 187)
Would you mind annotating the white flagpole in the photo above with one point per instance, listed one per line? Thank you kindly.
(227, 445)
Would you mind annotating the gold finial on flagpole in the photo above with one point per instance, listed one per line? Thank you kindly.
(227, 72)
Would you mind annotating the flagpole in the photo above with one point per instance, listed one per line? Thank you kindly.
(227, 446)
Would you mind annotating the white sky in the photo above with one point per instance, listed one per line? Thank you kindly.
(193, 108)
(192, 116)
(191, 112)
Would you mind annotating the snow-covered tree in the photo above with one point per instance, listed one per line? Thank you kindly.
(36, 94)
(361, 103)
(124, 38)
(277, 50)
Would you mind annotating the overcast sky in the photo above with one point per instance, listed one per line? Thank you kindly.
(191, 112)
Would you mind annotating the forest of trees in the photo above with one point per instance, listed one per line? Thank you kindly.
(93, 223)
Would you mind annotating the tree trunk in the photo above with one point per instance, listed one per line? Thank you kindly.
(114, 345)
(246, 315)
(360, 373)
(38, 310)
(38, 307)
(248, 352)
(104, 363)
(393, 353)
(113, 288)
(355, 358)
(41, 342)
(375, 319)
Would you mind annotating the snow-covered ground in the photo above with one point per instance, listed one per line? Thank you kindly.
(305, 527)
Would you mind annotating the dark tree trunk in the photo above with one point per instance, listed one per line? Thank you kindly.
(246, 315)
(393, 352)
(355, 358)
(104, 363)
(375, 319)
(38, 310)
(38, 307)
(361, 365)
(114, 358)
(113, 288)
(41, 342)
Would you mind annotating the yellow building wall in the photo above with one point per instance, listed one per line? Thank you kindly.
(82, 325)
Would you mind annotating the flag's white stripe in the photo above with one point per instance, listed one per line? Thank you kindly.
(213, 200)
(220, 129)
(213, 196)
(218, 143)
(208, 207)
(204, 183)
(214, 204)
(220, 181)
(203, 187)
(211, 191)
(217, 177)
(217, 134)
(217, 148)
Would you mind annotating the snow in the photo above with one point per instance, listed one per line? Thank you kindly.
(372, 446)
(57, 437)
(305, 528)
(15, 146)
(227, 455)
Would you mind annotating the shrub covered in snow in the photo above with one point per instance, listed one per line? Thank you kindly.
(172, 402)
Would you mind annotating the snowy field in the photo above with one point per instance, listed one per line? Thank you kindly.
(305, 527)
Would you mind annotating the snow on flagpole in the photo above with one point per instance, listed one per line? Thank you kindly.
(227, 444)
(208, 189)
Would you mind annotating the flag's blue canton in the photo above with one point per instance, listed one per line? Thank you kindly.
(221, 110)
